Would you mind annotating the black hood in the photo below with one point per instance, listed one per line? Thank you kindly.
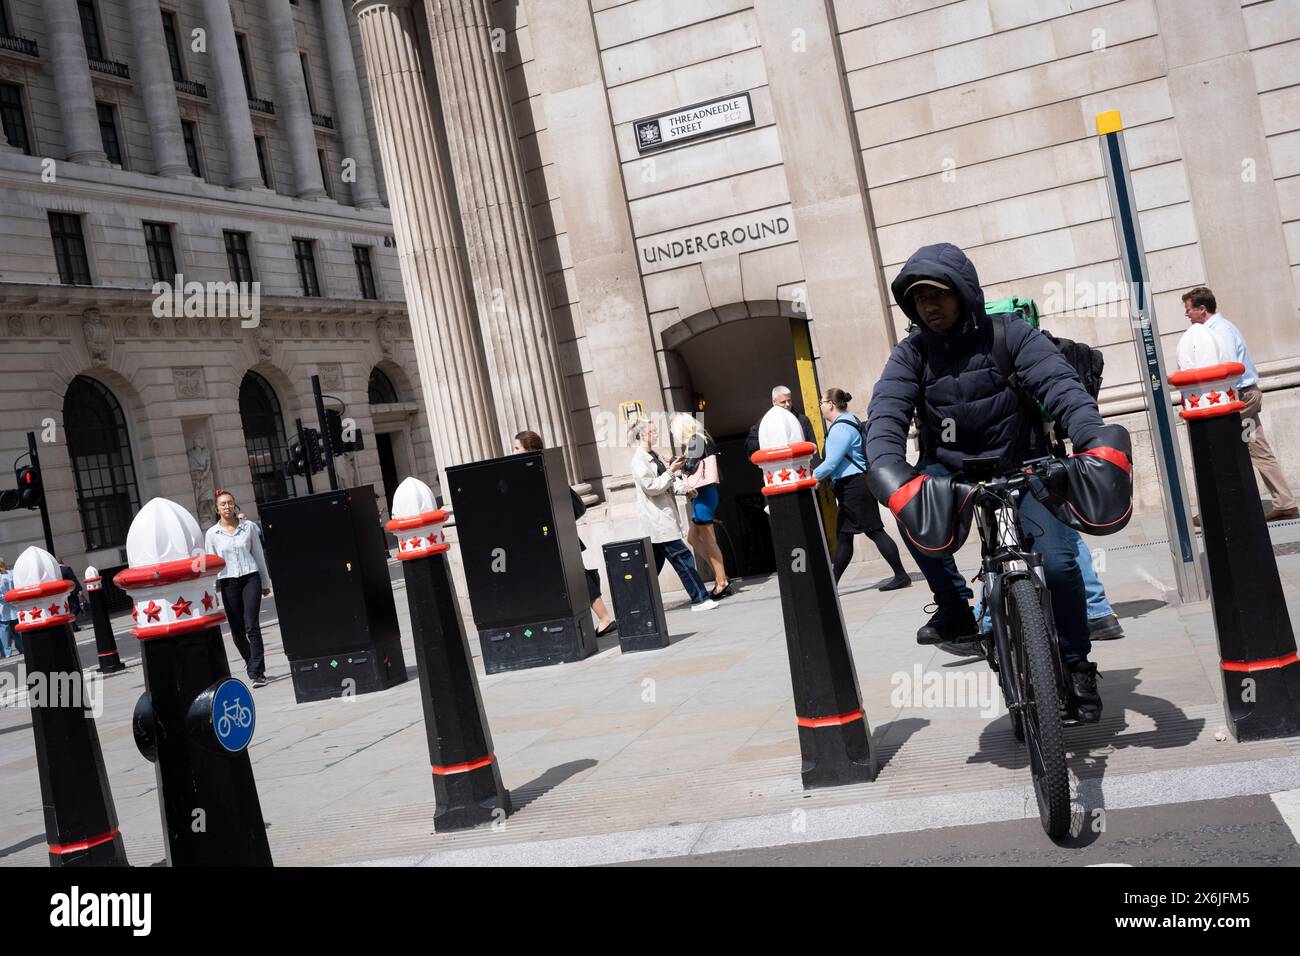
(948, 264)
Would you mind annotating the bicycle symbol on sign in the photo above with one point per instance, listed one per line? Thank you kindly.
(233, 714)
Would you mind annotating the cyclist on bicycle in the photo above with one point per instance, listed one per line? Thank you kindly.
(947, 371)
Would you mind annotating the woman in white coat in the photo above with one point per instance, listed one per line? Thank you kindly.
(657, 485)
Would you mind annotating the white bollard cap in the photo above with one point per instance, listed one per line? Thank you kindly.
(40, 594)
(417, 521)
(167, 579)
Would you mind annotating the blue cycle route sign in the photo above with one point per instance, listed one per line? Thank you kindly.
(232, 715)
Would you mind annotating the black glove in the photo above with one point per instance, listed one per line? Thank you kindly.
(933, 511)
(1099, 494)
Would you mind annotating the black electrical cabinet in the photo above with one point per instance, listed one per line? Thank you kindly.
(518, 541)
(329, 566)
(634, 589)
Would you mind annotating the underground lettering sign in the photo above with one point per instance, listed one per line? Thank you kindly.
(723, 237)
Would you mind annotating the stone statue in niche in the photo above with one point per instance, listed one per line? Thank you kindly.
(384, 328)
(98, 338)
(200, 460)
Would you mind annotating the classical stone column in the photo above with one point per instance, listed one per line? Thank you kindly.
(292, 103)
(72, 83)
(351, 116)
(232, 100)
(518, 335)
(438, 298)
(153, 72)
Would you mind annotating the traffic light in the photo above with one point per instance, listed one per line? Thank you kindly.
(30, 489)
(297, 463)
(29, 492)
(315, 450)
(334, 422)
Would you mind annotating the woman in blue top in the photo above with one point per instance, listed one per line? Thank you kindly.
(846, 466)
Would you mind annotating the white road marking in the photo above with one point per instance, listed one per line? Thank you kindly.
(1288, 805)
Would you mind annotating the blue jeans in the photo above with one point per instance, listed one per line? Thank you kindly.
(683, 563)
(1098, 606)
(1057, 543)
(9, 636)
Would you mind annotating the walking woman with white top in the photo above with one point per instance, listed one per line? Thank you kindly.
(243, 582)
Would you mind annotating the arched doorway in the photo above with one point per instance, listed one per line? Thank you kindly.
(264, 439)
(726, 373)
(99, 449)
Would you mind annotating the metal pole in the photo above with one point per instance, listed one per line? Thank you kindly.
(324, 433)
(306, 455)
(45, 512)
(1146, 340)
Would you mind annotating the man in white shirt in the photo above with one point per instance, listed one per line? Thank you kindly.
(1201, 308)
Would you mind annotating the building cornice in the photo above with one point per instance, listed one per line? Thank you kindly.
(111, 300)
(101, 184)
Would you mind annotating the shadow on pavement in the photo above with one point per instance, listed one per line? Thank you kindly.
(1140, 608)
(521, 797)
(19, 847)
(890, 738)
(1089, 747)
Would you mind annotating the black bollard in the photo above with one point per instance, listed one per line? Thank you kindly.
(1257, 648)
(80, 820)
(467, 787)
(834, 738)
(194, 721)
(110, 662)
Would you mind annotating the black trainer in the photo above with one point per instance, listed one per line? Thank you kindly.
(1085, 701)
(952, 623)
(1105, 628)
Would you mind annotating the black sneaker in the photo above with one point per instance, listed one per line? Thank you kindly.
(726, 592)
(951, 624)
(1105, 628)
(259, 680)
(1085, 701)
(896, 582)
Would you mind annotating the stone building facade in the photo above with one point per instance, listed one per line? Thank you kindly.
(719, 192)
(221, 141)
(681, 203)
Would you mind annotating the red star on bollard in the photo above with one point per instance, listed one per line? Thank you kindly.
(152, 610)
(54, 610)
(802, 473)
(784, 474)
(135, 614)
(36, 613)
(1192, 401)
(1213, 398)
(415, 543)
(207, 601)
(1232, 395)
(181, 607)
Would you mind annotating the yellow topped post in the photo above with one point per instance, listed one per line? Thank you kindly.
(1109, 122)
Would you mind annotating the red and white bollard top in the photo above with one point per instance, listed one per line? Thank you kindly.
(786, 469)
(1207, 378)
(40, 593)
(171, 581)
(417, 521)
(93, 581)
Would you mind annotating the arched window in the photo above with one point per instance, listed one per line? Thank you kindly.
(100, 450)
(268, 451)
(382, 389)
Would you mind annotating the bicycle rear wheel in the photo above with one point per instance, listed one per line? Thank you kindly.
(1034, 675)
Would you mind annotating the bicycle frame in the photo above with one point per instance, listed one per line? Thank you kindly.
(1004, 559)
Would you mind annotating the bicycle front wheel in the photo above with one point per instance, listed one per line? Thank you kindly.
(1035, 680)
